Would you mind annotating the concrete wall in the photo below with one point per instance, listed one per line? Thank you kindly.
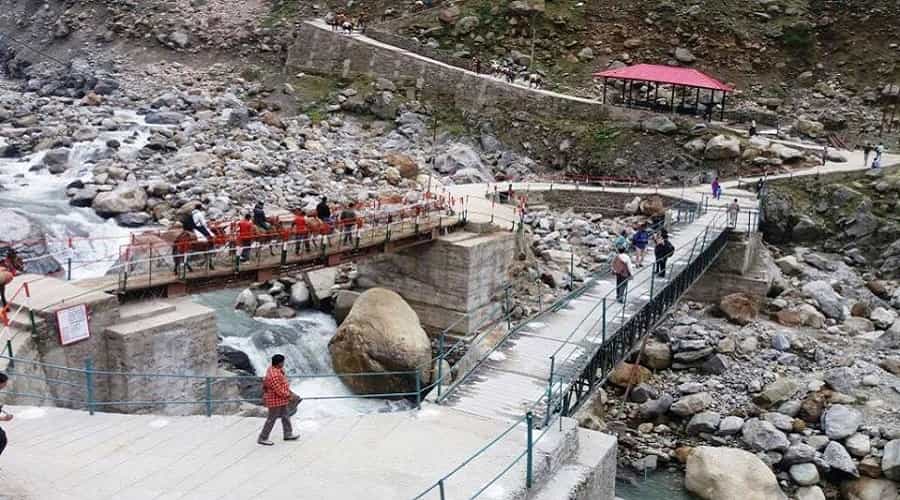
(42, 343)
(145, 337)
(322, 52)
(461, 273)
(180, 340)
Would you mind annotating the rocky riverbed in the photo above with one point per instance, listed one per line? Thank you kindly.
(805, 380)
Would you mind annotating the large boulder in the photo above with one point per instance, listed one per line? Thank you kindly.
(723, 147)
(381, 334)
(763, 436)
(809, 127)
(125, 198)
(890, 462)
(866, 488)
(841, 421)
(830, 303)
(839, 460)
(728, 474)
(778, 217)
(625, 374)
(56, 160)
(691, 404)
(458, 157)
(738, 308)
(660, 124)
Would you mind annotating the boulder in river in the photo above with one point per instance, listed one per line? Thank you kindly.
(738, 308)
(728, 474)
(122, 200)
(381, 334)
(29, 240)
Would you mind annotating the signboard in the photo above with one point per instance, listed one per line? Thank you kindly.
(73, 324)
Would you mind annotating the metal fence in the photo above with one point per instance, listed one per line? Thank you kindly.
(572, 376)
(567, 388)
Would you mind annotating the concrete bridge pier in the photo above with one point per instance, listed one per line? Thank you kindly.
(745, 266)
(457, 282)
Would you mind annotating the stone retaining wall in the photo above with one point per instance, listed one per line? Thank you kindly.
(323, 52)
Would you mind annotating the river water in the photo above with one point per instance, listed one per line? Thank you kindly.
(659, 485)
(40, 197)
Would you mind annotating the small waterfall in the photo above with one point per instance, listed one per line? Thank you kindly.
(40, 197)
(303, 341)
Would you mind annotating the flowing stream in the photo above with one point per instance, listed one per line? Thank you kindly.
(40, 197)
(658, 485)
(303, 341)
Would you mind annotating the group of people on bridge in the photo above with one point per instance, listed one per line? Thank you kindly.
(307, 229)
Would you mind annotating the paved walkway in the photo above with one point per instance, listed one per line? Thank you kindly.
(66, 455)
(515, 376)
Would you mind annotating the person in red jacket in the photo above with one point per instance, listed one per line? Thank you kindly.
(280, 401)
(301, 231)
(245, 236)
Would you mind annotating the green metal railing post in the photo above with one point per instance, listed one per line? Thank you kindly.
(69, 269)
(441, 488)
(33, 323)
(604, 319)
(529, 460)
(89, 382)
(12, 363)
(550, 389)
(418, 388)
(284, 253)
(209, 403)
(652, 279)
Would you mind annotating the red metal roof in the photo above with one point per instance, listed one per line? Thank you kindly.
(665, 74)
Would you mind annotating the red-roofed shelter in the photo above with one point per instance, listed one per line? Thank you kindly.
(645, 78)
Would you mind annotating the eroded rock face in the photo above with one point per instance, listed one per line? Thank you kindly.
(381, 334)
(730, 473)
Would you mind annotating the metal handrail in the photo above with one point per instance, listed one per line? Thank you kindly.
(554, 398)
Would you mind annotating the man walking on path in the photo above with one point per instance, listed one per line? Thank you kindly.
(640, 239)
(867, 149)
(280, 401)
(733, 209)
(4, 417)
(824, 156)
(621, 267)
(662, 251)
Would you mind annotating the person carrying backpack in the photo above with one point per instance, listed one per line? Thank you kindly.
(621, 267)
(640, 239)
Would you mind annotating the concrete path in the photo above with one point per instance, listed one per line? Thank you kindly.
(515, 377)
(66, 455)
(322, 25)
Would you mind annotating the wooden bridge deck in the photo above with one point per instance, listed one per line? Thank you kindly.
(152, 267)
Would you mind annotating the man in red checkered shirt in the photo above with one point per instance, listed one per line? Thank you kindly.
(281, 402)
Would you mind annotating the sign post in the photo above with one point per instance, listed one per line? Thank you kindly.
(73, 324)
